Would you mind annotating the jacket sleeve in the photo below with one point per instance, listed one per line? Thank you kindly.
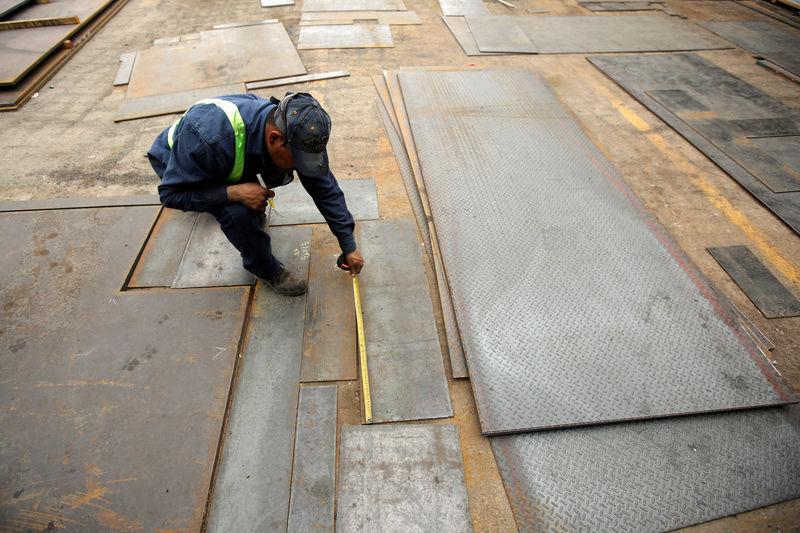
(194, 178)
(329, 199)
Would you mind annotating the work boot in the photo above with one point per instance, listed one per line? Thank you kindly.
(286, 283)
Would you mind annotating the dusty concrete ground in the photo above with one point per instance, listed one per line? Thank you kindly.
(64, 143)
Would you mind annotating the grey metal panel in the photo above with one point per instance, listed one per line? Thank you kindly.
(344, 36)
(402, 478)
(353, 5)
(251, 492)
(293, 205)
(460, 29)
(80, 203)
(165, 104)
(499, 34)
(210, 260)
(541, 349)
(162, 254)
(458, 365)
(453, 8)
(656, 475)
(313, 490)
(406, 371)
(757, 282)
(276, 3)
(125, 67)
(114, 400)
(618, 33)
(639, 74)
(762, 38)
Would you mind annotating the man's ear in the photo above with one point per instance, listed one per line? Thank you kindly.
(275, 136)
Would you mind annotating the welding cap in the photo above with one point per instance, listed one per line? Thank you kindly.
(307, 128)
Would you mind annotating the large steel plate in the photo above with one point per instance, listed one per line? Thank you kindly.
(573, 304)
(656, 475)
(762, 38)
(722, 93)
(114, 400)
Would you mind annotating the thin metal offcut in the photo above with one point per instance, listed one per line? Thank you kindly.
(616, 325)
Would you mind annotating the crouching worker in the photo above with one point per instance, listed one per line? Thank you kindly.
(217, 156)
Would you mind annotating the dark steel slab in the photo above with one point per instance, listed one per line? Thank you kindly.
(776, 170)
(251, 491)
(402, 478)
(458, 365)
(722, 93)
(762, 38)
(757, 282)
(314, 472)
(403, 351)
(656, 475)
(113, 401)
(565, 335)
(161, 256)
(329, 344)
(293, 205)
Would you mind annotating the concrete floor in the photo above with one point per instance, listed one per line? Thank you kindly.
(64, 143)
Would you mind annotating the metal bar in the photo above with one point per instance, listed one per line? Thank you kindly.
(296, 79)
(37, 23)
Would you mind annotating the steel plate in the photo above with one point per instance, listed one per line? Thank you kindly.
(616, 325)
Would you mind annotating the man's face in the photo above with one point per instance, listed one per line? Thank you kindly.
(279, 152)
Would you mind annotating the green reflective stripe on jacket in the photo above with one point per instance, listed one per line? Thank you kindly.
(232, 112)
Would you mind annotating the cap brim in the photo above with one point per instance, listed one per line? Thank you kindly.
(310, 164)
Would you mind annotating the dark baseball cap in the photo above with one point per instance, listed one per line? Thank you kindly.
(307, 128)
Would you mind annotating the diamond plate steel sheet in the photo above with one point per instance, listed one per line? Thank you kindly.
(655, 475)
(591, 314)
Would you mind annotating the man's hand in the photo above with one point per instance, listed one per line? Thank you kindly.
(354, 261)
(252, 195)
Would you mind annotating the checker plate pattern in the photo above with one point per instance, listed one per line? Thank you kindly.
(654, 475)
(574, 307)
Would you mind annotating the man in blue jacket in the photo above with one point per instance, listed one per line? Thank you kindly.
(216, 157)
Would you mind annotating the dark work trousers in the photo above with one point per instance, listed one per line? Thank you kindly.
(244, 228)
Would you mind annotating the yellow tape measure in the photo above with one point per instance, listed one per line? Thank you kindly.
(362, 354)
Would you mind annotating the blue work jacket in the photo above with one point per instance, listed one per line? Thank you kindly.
(193, 172)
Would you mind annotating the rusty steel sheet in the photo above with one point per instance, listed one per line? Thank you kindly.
(114, 400)
(161, 256)
(166, 104)
(542, 352)
(22, 50)
(252, 483)
(219, 57)
(344, 36)
(329, 344)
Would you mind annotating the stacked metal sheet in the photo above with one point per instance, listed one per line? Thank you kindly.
(576, 309)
